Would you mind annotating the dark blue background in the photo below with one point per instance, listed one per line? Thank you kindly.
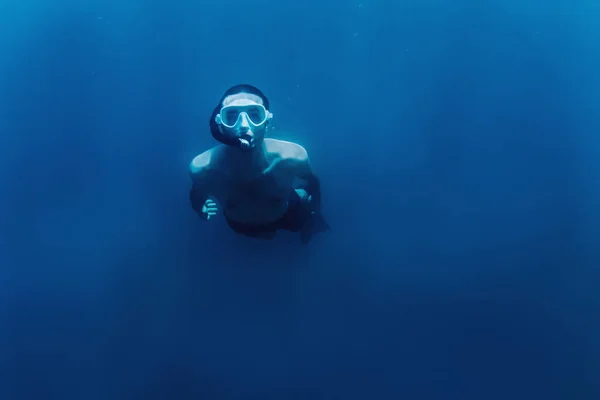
(457, 146)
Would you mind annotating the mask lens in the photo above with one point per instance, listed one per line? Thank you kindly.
(255, 113)
(229, 116)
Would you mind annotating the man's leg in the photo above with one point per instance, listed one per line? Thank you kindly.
(301, 218)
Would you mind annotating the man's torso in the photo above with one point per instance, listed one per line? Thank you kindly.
(253, 197)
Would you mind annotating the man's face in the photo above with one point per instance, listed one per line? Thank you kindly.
(244, 116)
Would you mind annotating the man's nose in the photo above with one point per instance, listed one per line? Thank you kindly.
(244, 122)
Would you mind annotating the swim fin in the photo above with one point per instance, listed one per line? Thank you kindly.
(315, 224)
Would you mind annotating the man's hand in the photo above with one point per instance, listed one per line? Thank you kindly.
(209, 209)
(305, 198)
(303, 195)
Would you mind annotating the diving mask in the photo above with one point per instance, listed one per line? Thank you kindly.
(256, 115)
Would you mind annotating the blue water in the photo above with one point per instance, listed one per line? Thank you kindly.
(457, 146)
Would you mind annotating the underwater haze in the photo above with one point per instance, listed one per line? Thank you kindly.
(457, 146)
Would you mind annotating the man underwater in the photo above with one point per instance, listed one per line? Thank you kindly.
(261, 185)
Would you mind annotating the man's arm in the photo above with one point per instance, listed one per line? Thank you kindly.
(197, 197)
(310, 181)
(199, 192)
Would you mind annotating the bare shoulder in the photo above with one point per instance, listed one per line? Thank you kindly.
(203, 163)
(284, 150)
